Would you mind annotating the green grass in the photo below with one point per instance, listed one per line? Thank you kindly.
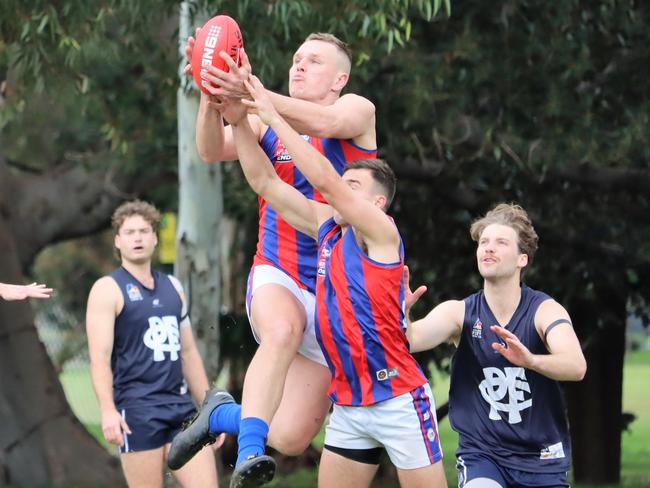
(635, 443)
(635, 462)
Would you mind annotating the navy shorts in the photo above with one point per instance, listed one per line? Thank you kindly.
(471, 466)
(153, 426)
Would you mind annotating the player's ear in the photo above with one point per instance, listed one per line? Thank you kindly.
(380, 201)
(341, 80)
(523, 260)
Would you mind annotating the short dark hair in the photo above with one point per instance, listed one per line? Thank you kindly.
(381, 172)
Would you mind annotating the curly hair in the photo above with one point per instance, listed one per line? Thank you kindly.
(136, 207)
(513, 216)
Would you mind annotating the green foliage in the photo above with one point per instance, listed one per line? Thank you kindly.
(273, 30)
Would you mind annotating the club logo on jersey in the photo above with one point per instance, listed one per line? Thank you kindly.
(556, 451)
(156, 303)
(477, 330)
(509, 385)
(163, 336)
(281, 154)
(133, 292)
(384, 374)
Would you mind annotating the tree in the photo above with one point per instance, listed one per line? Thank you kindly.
(200, 219)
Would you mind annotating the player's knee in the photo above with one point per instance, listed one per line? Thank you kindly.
(282, 335)
(289, 444)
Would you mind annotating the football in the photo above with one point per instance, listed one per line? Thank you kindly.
(220, 33)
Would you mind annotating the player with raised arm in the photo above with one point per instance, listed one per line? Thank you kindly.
(382, 400)
(514, 345)
(285, 389)
(143, 357)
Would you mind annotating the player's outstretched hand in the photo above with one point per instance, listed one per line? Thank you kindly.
(20, 292)
(228, 83)
(514, 351)
(189, 48)
(260, 104)
(410, 297)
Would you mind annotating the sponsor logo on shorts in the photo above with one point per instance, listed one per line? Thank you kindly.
(384, 374)
(431, 434)
(556, 451)
(477, 330)
(133, 292)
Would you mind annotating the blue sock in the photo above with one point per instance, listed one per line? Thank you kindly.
(225, 418)
(252, 437)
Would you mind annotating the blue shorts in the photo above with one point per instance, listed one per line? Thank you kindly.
(471, 466)
(153, 426)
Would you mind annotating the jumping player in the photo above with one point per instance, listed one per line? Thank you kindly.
(514, 345)
(20, 292)
(382, 400)
(286, 382)
(141, 349)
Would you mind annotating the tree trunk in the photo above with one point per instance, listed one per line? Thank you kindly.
(200, 208)
(595, 404)
(41, 441)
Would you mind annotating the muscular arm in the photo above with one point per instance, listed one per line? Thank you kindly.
(100, 326)
(103, 303)
(214, 141)
(350, 117)
(565, 361)
(442, 324)
(191, 362)
(300, 212)
(193, 370)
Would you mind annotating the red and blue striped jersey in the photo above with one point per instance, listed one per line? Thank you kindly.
(279, 244)
(360, 322)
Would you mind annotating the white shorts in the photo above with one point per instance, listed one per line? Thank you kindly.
(406, 426)
(263, 274)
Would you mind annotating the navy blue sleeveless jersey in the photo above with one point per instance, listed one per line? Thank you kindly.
(146, 359)
(513, 415)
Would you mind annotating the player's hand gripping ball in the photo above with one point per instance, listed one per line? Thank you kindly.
(220, 33)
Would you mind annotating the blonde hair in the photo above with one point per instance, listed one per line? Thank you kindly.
(341, 46)
(136, 207)
(513, 216)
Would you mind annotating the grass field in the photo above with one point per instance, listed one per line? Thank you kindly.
(635, 469)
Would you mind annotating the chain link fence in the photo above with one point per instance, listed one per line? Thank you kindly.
(64, 338)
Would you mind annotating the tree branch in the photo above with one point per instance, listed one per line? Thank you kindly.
(604, 178)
